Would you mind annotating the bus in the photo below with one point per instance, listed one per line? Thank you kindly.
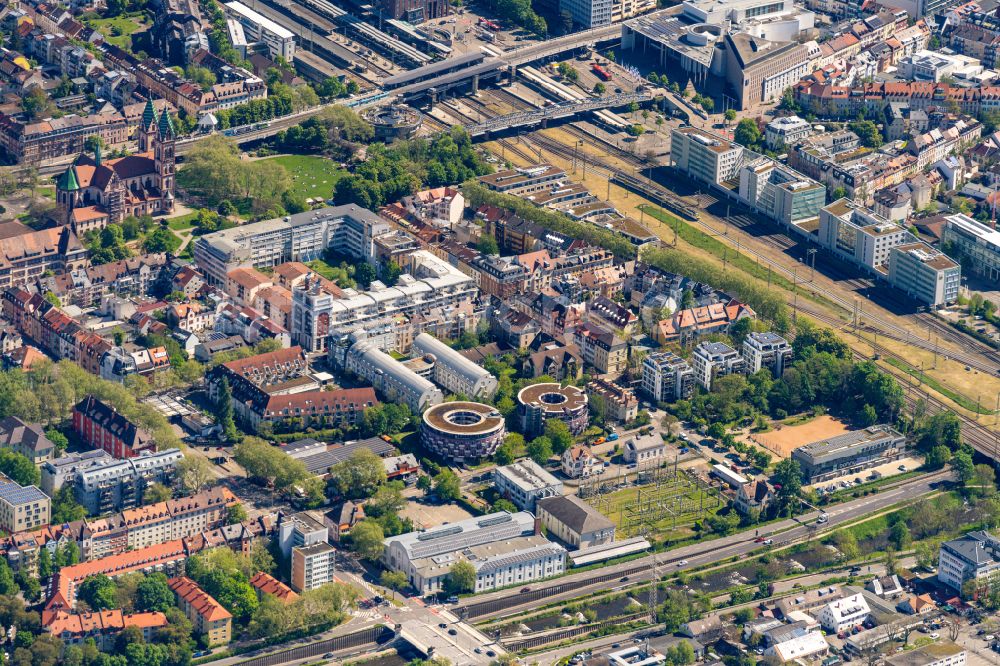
(601, 73)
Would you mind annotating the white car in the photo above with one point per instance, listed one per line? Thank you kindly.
(935, 635)
(682, 563)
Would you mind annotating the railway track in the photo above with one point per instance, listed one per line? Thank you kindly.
(506, 144)
(946, 332)
(981, 438)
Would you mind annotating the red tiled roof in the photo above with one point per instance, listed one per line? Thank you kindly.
(268, 584)
(316, 402)
(114, 565)
(203, 603)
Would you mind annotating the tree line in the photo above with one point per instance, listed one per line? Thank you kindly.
(388, 174)
(477, 195)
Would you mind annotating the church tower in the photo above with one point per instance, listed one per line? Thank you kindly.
(147, 128)
(68, 191)
(164, 158)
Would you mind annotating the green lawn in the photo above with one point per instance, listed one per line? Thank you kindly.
(183, 222)
(311, 176)
(118, 30)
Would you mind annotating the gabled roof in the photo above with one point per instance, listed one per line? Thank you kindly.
(575, 514)
(203, 603)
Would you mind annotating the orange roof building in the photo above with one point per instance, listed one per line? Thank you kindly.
(166, 557)
(102, 626)
(207, 614)
(265, 583)
(693, 322)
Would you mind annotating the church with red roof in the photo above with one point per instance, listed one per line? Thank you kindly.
(95, 192)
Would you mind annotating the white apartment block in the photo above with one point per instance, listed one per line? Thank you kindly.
(975, 556)
(844, 614)
(786, 131)
(666, 377)
(348, 229)
(766, 350)
(22, 508)
(704, 157)
(258, 28)
(925, 273)
(430, 283)
(858, 234)
(453, 371)
(524, 483)
(713, 360)
(312, 566)
(395, 381)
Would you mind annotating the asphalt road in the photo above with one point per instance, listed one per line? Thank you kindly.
(700, 554)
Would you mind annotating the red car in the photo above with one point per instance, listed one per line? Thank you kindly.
(759, 540)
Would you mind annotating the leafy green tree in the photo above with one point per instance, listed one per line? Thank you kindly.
(235, 514)
(985, 480)
(224, 411)
(359, 476)
(867, 132)
(730, 115)
(98, 592)
(447, 485)
(269, 463)
(19, 468)
(540, 449)
(391, 273)
(194, 473)
(504, 504)
(747, 133)
(937, 457)
(899, 536)
(394, 580)
(676, 610)
(157, 492)
(45, 568)
(961, 462)
(387, 500)
(927, 556)
(461, 577)
(558, 433)
(58, 439)
(367, 539)
(505, 454)
(161, 240)
(488, 245)
(153, 594)
(943, 428)
(364, 274)
(788, 475)
(65, 508)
